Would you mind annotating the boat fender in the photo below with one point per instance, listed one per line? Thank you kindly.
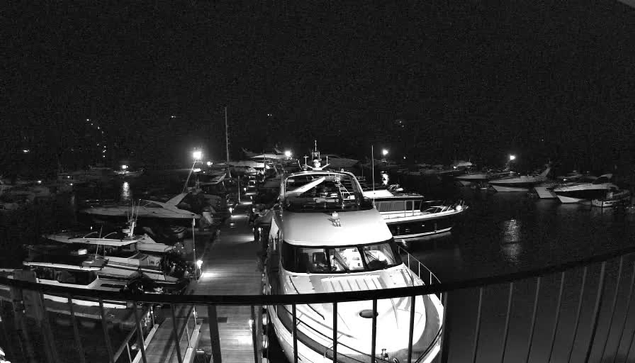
(265, 342)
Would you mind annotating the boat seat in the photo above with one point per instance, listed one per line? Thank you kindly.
(319, 258)
(304, 263)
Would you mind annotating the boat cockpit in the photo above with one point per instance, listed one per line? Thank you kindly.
(339, 259)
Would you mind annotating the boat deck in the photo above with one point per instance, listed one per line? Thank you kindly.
(230, 267)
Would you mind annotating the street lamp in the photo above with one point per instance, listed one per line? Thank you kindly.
(384, 152)
(287, 154)
(197, 155)
(512, 157)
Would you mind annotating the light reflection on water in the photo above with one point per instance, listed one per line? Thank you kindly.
(511, 248)
(126, 192)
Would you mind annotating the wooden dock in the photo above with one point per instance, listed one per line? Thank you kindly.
(230, 267)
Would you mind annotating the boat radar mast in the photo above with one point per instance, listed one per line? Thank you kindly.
(317, 160)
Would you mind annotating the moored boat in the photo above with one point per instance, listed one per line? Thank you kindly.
(585, 191)
(79, 273)
(521, 183)
(411, 218)
(326, 237)
(612, 199)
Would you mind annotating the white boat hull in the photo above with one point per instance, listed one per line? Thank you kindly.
(323, 354)
(569, 200)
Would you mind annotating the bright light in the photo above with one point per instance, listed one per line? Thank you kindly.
(512, 157)
(199, 263)
(39, 182)
(26, 151)
(124, 167)
(384, 152)
(196, 170)
(209, 163)
(197, 155)
(287, 154)
(207, 275)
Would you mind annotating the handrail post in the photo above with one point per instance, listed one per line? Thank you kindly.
(596, 310)
(212, 320)
(140, 339)
(177, 341)
(445, 338)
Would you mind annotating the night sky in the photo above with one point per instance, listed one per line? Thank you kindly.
(433, 80)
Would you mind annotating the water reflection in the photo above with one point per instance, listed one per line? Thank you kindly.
(511, 246)
(126, 192)
(511, 231)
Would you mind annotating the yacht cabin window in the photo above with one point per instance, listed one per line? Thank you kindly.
(340, 259)
(65, 276)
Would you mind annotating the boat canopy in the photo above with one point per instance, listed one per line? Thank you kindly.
(330, 191)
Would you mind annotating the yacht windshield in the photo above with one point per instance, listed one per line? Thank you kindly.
(328, 191)
(341, 259)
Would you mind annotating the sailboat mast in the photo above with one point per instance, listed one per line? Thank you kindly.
(226, 136)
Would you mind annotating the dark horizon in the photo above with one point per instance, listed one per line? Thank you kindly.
(434, 81)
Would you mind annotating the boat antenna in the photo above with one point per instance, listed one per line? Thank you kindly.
(226, 136)
(372, 165)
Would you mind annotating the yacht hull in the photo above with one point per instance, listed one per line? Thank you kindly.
(314, 350)
(412, 229)
(577, 196)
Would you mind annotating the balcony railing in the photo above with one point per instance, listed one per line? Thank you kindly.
(578, 311)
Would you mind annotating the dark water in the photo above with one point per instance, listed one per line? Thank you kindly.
(500, 233)
(508, 232)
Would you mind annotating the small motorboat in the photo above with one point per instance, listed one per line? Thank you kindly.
(612, 199)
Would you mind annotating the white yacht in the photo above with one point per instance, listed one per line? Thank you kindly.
(520, 183)
(545, 189)
(482, 177)
(146, 209)
(73, 271)
(411, 218)
(326, 237)
(585, 191)
(122, 260)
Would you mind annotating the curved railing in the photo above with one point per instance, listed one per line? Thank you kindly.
(613, 263)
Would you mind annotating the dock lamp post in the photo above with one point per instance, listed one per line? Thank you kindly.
(197, 155)
(384, 153)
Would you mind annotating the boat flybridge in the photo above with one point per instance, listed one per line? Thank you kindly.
(325, 237)
(143, 243)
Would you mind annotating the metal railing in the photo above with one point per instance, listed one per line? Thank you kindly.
(585, 307)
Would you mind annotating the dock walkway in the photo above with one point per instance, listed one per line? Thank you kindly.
(230, 267)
